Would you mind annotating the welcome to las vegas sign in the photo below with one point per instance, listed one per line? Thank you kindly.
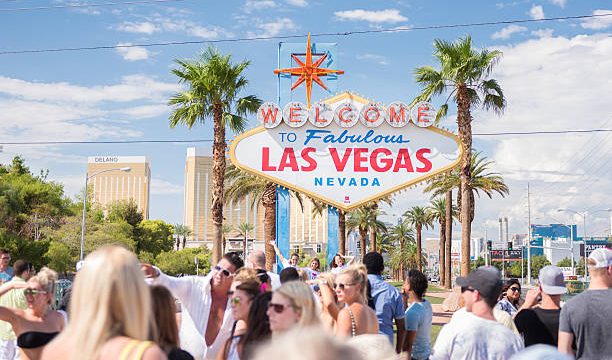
(346, 150)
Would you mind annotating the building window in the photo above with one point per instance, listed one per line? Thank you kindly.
(319, 247)
(295, 249)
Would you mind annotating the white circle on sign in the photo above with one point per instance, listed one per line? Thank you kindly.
(321, 114)
(346, 115)
(423, 114)
(372, 115)
(295, 114)
(269, 115)
(398, 114)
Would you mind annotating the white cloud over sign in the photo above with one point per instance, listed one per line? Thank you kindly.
(382, 16)
(132, 53)
(379, 59)
(273, 28)
(256, 5)
(145, 27)
(506, 32)
(543, 32)
(600, 22)
(560, 3)
(300, 3)
(536, 12)
(177, 24)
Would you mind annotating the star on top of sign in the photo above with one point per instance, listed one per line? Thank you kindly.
(308, 71)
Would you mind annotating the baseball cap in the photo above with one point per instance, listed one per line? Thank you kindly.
(551, 280)
(485, 279)
(602, 258)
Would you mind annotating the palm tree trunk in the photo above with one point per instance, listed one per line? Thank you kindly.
(401, 264)
(372, 239)
(269, 203)
(442, 258)
(419, 249)
(218, 172)
(464, 122)
(341, 232)
(449, 239)
(362, 241)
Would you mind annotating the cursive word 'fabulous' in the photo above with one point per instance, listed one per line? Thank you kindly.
(368, 138)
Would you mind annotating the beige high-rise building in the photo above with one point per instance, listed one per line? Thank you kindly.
(110, 184)
(306, 230)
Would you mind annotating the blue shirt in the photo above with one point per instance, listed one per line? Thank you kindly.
(388, 304)
(418, 318)
(6, 275)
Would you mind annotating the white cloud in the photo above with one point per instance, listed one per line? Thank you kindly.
(598, 23)
(132, 53)
(379, 59)
(145, 27)
(560, 3)
(506, 32)
(163, 187)
(300, 3)
(536, 12)
(543, 32)
(256, 5)
(382, 16)
(273, 28)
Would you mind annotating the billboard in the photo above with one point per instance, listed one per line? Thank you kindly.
(506, 255)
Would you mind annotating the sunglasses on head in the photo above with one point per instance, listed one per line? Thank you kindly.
(33, 292)
(515, 289)
(223, 271)
(467, 288)
(341, 286)
(278, 308)
(263, 277)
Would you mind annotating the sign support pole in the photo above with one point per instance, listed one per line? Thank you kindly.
(332, 234)
(282, 223)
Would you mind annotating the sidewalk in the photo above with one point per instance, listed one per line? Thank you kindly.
(440, 317)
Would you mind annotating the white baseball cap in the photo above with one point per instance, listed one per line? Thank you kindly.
(551, 280)
(601, 258)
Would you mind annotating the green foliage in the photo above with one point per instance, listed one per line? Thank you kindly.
(60, 257)
(155, 236)
(146, 257)
(567, 262)
(20, 248)
(580, 267)
(478, 263)
(182, 261)
(125, 210)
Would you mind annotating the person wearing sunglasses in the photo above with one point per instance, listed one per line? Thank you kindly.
(207, 315)
(6, 271)
(292, 306)
(37, 325)
(510, 297)
(241, 296)
(356, 318)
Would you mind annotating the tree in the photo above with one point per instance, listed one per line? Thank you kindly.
(437, 212)
(214, 85)
(463, 73)
(419, 218)
(402, 235)
(181, 232)
(155, 236)
(226, 229)
(127, 211)
(244, 229)
(182, 262)
(363, 219)
(59, 257)
(567, 262)
(405, 258)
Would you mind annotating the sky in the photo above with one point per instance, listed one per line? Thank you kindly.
(556, 76)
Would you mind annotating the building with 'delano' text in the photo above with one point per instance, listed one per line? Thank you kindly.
(115, 185)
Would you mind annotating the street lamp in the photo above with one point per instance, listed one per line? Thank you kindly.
(583, 214)
(85, 203)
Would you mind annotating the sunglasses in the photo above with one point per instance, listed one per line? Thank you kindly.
(5, 258)
(341, 286)
(515, 289)
(235, 300)
(223, 271)
(33, 292)
(467, 288)
(278, 308)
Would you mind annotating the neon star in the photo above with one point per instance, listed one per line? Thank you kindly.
(308, 71)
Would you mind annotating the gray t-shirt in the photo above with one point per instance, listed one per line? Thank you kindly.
(589, 317)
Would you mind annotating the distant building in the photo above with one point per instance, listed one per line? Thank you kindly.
(115, 185)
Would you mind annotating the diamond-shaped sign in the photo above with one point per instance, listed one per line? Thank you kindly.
(359, 156)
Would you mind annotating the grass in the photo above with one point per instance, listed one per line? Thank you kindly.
(430, 288)
(434, 299)
(435, 330)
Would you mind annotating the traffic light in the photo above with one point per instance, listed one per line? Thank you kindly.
(510, 245)
(489, 245)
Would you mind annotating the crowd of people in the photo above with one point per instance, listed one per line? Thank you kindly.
(122, 309)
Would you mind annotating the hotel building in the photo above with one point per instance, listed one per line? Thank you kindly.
(109, 184)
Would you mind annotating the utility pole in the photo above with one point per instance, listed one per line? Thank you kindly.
(528, 236)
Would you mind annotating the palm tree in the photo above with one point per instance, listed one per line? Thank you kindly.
(419, 218)
(181, 232)
(226, 229)
(214, 84)
(437, 211)
(239, 185)
(244, 229)
(463, 73)
(363, 219)
(401, 234)
(404, 258)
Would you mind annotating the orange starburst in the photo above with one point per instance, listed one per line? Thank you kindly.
(308, 71)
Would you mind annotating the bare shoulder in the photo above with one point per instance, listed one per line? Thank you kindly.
(57, 349)
(154, 353)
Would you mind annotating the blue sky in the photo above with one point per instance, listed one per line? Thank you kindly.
(556, 75)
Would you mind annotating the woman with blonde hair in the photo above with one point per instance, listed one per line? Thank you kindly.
(324, 288)
(292, 305)
(357, 317)
(37, 325)
(110, 311)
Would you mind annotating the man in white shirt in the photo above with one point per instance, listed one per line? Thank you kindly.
(206, 301)
(477, 335)
(257, 260)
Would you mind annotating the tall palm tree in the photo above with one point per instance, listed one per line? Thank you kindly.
(239, 185)
(363, 219)
(401, 234)
(214, 85)
(244, 229)
(463, 74)
(405, 258)
(181, 232)
(419, 218)
(437, 211)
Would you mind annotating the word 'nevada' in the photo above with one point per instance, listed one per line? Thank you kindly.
(346, 114)
(363, 159)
